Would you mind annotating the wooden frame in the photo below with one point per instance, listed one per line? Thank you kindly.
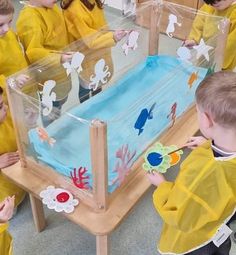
(99, 213)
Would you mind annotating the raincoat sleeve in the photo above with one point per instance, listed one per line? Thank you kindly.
(180, 208)
(92, 38)
(32, 37)
(5, 240)
(2, 81)
(198, 25)
(230, 55)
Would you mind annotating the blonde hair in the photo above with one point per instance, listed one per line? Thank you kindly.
(6, 7)
(216, 95)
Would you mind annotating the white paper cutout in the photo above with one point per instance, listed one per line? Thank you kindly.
(202, 50)
(44, 137)
(75, 64)
(128, 6)
(58, 199)
(171, 26)
(101, 74)
(48, 97)
(184, 53)
(131, 42)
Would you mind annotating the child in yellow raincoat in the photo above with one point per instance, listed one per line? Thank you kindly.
(197, 206)
(6, 212)
(202, 28)
(84, 19)
(7, 189)
(42, 32)
(11, 61)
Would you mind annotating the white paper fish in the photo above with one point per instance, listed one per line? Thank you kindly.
(131, 42)
(75, 64)
(48, 97)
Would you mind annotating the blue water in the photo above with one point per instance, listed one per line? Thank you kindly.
(159, 79)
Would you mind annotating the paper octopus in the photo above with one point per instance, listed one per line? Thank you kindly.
(101, 74)
(58, 199)
(157, 158)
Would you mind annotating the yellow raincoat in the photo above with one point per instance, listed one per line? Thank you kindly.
(202, 28)
(85, 24)
(42, 30)
(12, 58)
(202, 198)
(11, 61)
(5, 240)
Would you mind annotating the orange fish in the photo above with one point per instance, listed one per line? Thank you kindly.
(44, 137)
(193, 77)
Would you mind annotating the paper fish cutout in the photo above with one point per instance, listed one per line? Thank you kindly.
(171, 25)
(101, 74)
(184, 53)
(123, 164)
(76, 63)
(79, 178)
(172, 114)
(143, 117)
(157, 158)
(44, 137)
(48, 97)
(131, 42)
(193, 77)
(58, 199)
(202, 50)
(128, 6)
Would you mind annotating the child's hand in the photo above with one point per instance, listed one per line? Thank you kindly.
(189, 43)
(6, 209)
(67, 57)
(21, 80)
(119, 34)
(195, 141)
(8, 159)
(156, 178)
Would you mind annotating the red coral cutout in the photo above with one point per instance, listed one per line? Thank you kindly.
(123, 164)
(79, 178)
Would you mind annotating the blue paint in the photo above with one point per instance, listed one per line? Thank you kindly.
(143, 117)
(154, 158)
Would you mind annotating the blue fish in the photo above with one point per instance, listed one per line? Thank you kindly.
(143, 117)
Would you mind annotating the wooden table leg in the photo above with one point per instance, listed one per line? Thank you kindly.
(102, 245)
(38, 213)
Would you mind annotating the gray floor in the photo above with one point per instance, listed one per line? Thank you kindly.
(137, 235)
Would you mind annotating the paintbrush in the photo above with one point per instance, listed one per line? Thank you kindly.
(114, 30)
(60, 52)
(171, 152)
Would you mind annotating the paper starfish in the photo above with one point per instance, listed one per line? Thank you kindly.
(202, 50)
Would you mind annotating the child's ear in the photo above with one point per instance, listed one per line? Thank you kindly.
(208, 119)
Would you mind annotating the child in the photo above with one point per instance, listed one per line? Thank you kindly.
(42, 31)
(11, 61)
(202, 199)
(6, 212)
(202, 28)
(84, 19)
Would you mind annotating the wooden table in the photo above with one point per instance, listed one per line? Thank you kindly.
(101, 224)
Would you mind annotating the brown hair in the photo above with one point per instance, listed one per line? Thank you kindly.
(66, 3)
(216, 95)
(6, 7)
(1, 90)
